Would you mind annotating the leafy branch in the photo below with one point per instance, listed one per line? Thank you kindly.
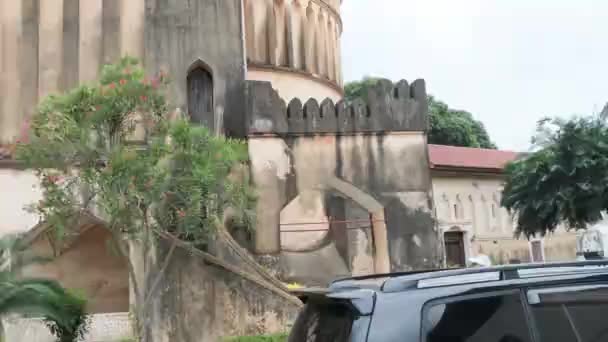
(113, 149)
(564, 180)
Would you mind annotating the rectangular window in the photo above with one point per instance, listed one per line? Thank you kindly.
(499, 318)
(571, 314)
(537, 251)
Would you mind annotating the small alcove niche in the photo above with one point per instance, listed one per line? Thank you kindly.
(200, 94)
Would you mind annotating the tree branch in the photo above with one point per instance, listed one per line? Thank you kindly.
(160, 273)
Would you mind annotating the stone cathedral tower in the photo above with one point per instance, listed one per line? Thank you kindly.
(343, 185)
(209, 47)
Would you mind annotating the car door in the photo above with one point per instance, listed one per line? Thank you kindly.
(485, 317)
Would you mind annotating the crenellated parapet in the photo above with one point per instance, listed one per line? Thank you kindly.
(389, 108)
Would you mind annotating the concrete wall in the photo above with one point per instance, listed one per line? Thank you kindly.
(201, 298)
(88, 266)
(470, 203)
(359, 171)
(19, 189)
(115, 327)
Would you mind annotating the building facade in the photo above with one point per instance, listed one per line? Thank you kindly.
(467, 187)
(265, 70)
(343, 188)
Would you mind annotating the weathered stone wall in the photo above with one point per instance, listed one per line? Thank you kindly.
(49, 46)
(389, 108)
(343, 189)
(52, 45)
(204, 297)
(85, 264)
(183, 34)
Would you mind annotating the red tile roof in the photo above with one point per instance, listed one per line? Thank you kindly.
(453, 157)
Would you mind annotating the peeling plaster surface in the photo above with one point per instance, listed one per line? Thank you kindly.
(269, 155)
(338, 183)
(303, 222)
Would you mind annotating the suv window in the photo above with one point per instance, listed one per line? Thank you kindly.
(325, 322)
(498, 318)
(569, 314)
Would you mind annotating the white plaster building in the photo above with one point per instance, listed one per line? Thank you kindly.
(467, 186)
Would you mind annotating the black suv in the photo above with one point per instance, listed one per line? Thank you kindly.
(566, 302)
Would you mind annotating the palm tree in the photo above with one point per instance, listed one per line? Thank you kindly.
(62, 312)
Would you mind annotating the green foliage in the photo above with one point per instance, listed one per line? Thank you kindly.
(455, 127)
(265, 338)
(86, 148)
(564, 180)
(62, 311)
(113, 149)
(447, 126)
(358, 89)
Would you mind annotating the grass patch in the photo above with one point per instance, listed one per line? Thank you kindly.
(264, 338)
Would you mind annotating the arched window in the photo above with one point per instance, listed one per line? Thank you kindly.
(200, 95)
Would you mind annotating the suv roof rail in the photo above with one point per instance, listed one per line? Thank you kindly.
(383, 275)
(440, 277)
(372, 281)
(496, 273)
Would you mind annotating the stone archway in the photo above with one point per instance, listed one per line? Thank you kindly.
(377, 219)
(311, 227)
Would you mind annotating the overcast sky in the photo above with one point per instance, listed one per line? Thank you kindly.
(509, 62)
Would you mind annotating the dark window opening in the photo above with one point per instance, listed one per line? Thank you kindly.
(454, 249)
(200, 97)
(498, 318)
(323, 323)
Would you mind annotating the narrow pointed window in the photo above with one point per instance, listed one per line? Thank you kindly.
(200, 96)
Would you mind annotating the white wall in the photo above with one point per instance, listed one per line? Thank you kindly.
(474, 199)
(113, 327)
(18, 189)
(290, 85)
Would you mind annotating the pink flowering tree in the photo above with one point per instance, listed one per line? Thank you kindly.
(110, 149)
